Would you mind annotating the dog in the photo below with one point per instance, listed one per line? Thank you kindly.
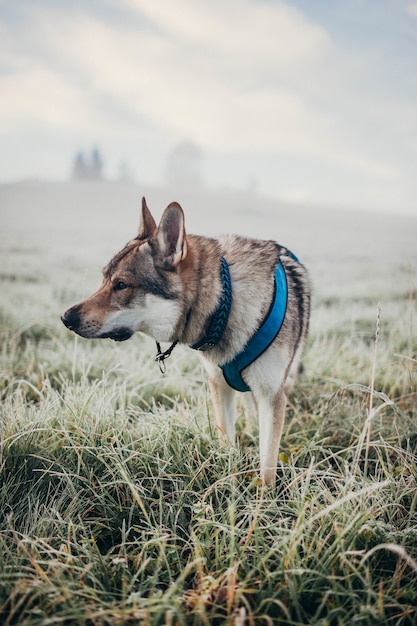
(242, 303)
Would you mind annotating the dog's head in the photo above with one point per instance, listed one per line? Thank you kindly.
(142, 286)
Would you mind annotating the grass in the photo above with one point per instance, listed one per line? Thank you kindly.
(118, 506)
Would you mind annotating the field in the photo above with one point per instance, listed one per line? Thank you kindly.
(117, 504)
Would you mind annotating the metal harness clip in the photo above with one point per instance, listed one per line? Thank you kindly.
(161, 356)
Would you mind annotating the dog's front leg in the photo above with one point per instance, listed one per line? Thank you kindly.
(271, 424)
(223, 398)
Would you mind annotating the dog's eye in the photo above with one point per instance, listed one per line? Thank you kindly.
(119, 285)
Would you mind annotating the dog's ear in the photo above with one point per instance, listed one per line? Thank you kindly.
(147, 225)
(170, 242)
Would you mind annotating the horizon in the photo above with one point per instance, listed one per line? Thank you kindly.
(178, 190)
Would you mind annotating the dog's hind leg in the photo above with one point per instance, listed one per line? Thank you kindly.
(296, 369)
(271, 424)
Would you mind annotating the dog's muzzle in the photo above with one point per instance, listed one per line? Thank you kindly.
(73, 321)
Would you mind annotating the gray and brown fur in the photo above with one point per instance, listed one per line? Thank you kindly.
(167, 284)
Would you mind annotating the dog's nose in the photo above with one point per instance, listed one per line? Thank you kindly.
(71, 318)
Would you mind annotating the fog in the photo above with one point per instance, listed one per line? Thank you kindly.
(85, 223)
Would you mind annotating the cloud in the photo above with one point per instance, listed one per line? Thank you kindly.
(412, 9)
(233, 44)
(38, 95)
(236, 76)
(239, 32)
(210, 75)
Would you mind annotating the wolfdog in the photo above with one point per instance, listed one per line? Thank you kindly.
(243, 304)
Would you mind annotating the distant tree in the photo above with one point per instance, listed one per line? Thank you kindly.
(96, 166)
(184, 165)
(85, 168)
(79, 167)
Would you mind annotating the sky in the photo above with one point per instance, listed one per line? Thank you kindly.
(307, 101)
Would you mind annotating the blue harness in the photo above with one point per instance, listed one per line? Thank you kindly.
(263, 337)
